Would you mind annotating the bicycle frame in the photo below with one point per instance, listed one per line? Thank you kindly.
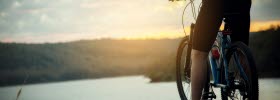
(216, 69)
(223, 45)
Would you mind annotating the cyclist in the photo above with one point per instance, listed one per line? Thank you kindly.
(206, 28)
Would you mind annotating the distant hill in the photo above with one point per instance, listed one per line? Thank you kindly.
(110, 58)
(80, 59)
(265, 46)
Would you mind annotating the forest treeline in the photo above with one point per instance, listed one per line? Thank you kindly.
(82, 59)
(89, 59)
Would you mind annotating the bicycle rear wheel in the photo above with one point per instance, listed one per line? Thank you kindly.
(243, 79)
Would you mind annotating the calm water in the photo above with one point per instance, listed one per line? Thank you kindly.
(122, 88)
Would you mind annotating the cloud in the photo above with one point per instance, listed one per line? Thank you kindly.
(97, 18)
(16, 4)
(265, 10)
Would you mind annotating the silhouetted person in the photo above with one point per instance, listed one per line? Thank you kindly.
(206, 29)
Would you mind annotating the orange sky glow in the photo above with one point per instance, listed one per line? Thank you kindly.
(255, 27)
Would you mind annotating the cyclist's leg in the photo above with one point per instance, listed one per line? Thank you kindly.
(198, 73)
(240, 24)
(206, 28)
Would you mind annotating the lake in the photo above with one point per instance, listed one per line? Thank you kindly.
(120, 88)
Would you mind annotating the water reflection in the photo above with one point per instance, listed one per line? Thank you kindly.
(121, 88)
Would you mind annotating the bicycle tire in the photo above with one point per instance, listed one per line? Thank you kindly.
(251, 73)
(184, 42)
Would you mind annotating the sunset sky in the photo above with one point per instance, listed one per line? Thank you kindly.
(38, 21)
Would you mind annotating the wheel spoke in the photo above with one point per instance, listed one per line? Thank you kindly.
(242, 82)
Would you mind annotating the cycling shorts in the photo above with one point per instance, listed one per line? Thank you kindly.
(210, 18)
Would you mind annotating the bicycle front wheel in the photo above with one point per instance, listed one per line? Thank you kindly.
(242, 74)
(183, 65)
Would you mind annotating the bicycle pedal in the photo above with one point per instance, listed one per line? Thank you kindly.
(208, 95)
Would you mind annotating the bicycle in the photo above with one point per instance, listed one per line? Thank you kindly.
(233, 68)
